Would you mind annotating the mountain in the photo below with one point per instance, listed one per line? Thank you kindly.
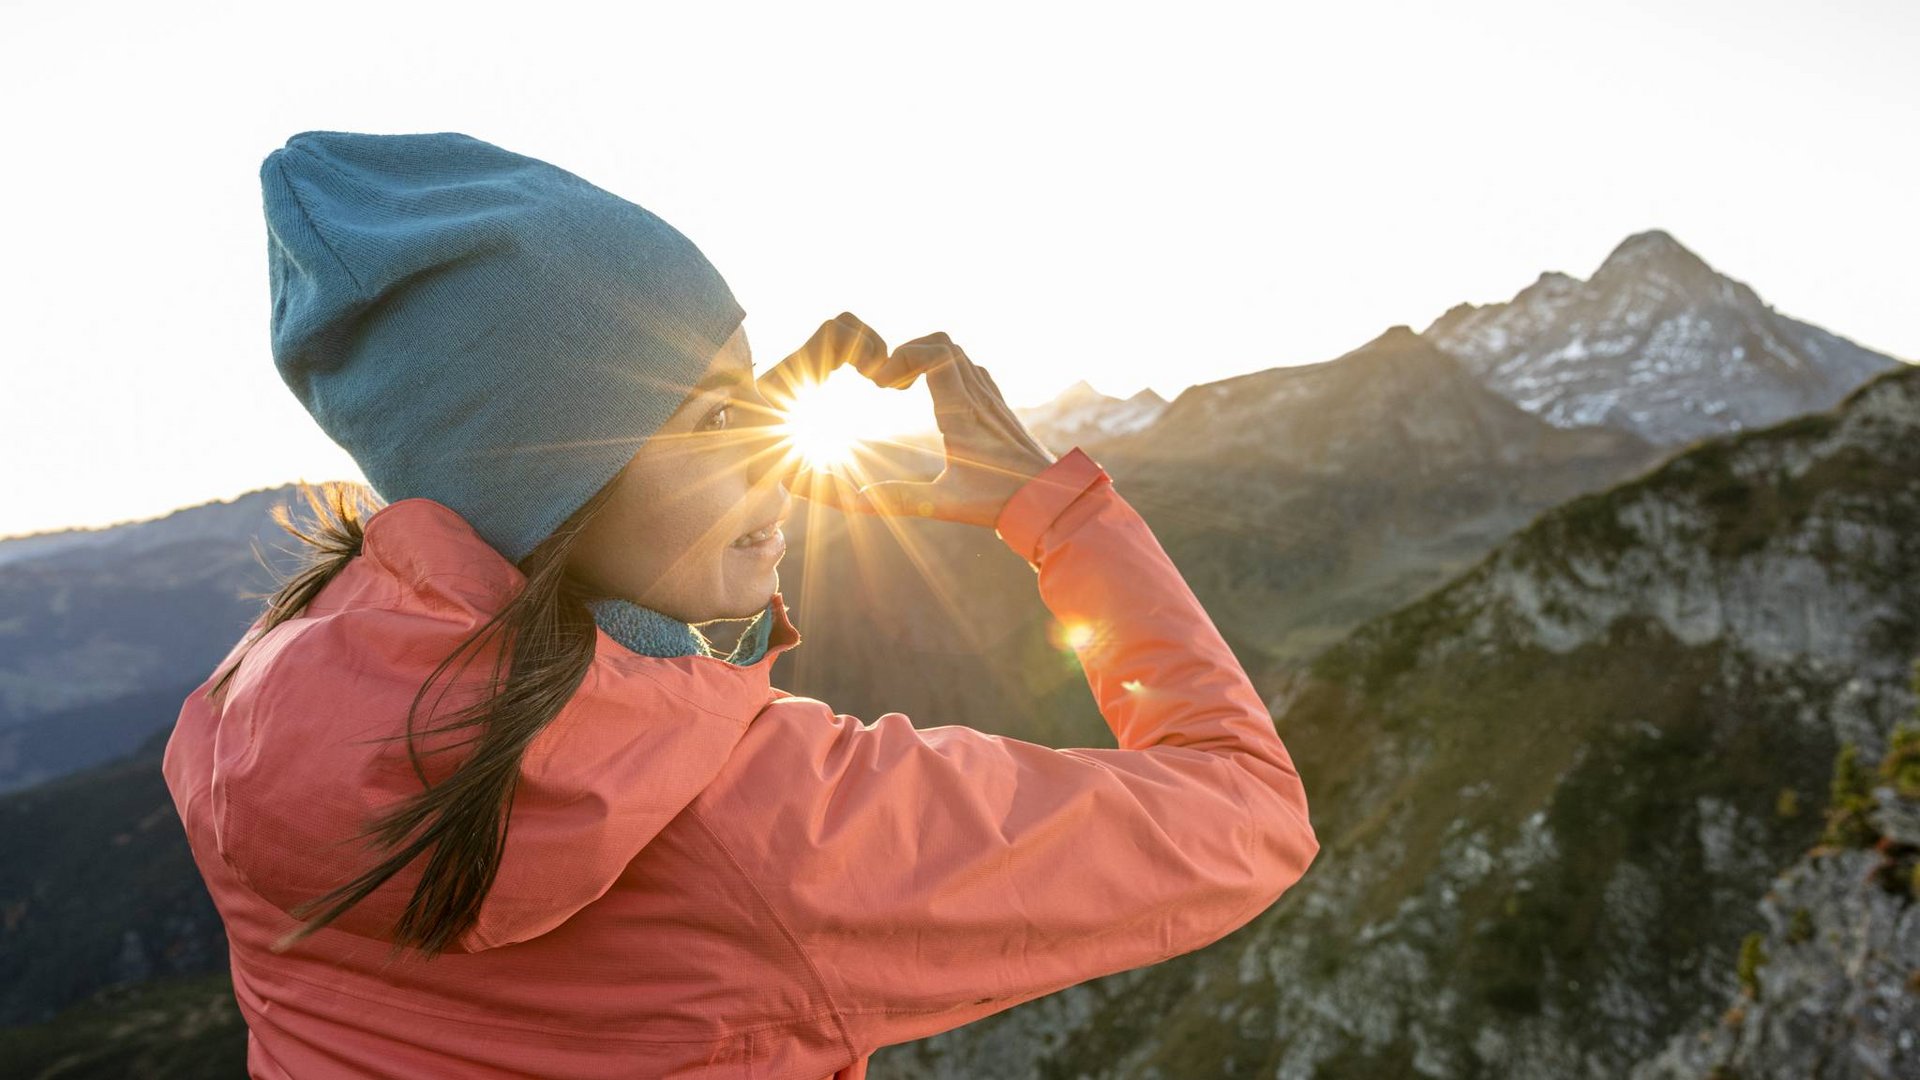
(1556, 693)
(113, 959)
(1656, 343)
(1831, 986)
(1082, 416)
(1304, 500)
(1297, 502)
(1550, 792)
(94, 623)
(98, 888)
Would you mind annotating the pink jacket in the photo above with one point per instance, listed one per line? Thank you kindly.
(705, 876)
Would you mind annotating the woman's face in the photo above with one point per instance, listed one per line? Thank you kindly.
(712, 473)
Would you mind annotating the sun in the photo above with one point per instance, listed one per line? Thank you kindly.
(827, 422)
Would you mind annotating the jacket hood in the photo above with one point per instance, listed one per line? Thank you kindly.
(301, 768)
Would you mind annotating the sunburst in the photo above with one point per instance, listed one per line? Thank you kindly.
(826, 423)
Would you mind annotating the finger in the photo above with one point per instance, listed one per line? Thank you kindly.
(827, 488)
(954, 408)
(909, 361)
(840, 340)
(993, 408)
(920, 354)
(867, 350)
(909, 498)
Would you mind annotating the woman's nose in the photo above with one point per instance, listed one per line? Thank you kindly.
(771, 459)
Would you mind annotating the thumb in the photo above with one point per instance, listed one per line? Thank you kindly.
(829, 488)
(906, 498)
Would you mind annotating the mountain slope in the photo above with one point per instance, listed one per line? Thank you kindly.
(1831, 987)
(1303, 500)
(1656, 343)
(99, 889)
(1551, 791)
(93, 623)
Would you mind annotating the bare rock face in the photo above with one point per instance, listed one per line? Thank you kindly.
(1656, 343)
(1836, 993)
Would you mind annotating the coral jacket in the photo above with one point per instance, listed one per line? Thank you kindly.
(705, 876)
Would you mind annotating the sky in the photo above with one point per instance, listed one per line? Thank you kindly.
(1134, 196)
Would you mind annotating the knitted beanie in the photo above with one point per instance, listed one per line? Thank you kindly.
(478, 327)
(488, 331)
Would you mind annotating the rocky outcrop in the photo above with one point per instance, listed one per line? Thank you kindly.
(1830, 990)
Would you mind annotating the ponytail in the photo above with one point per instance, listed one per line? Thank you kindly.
(546, 641)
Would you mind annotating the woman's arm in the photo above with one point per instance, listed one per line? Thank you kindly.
(933, 876)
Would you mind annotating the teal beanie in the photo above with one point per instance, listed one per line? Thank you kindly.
(477, 327)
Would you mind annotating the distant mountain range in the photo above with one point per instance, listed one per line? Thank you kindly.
(1655, 343)
(94, 624)
(1083, 416)
(1547, 665)
(1303, 500)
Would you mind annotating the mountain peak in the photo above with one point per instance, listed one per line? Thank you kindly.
(1079, 391)
(1395, 340)
(1081, 413)
(1652, 248)
(1656, 343)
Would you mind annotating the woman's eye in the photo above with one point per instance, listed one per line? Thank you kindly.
(722, 411)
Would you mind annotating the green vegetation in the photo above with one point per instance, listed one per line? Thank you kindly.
(1800, 928)
(1752, 958)
(170, 1028)
(1849, 803)
(1787, 805)
(1901, 766)
(1621, 746)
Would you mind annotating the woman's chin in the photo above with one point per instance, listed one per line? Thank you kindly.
(752, 601)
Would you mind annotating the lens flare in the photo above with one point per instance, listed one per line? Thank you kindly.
(1074, 635)
(826, 423)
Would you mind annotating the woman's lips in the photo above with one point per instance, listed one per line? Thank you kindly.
(773, 542)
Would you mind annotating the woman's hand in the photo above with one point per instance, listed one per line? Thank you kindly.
(990, 454)
(843, 339)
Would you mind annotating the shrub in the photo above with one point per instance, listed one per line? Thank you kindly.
(1787, 805)
(1901, 767)
(1849, 803)
(1752, 959)
(1800, 927)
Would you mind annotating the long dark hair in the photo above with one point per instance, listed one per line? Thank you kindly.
(546, 638)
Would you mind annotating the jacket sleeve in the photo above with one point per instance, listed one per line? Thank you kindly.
(942, 874)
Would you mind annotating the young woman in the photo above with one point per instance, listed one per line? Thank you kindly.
(475, 796)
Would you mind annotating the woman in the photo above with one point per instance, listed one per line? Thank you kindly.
(476, 797)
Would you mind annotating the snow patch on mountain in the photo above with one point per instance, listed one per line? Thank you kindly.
(1083, 415)
(1656, 343)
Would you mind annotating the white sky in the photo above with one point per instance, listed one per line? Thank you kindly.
(1070, 191)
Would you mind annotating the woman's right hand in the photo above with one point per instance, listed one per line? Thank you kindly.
(989, 453)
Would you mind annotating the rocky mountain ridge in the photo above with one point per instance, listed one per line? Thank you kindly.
(1656, 343)
(1085, 417)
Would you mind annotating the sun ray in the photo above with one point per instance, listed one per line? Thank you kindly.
(838, 429)
(826, 421)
